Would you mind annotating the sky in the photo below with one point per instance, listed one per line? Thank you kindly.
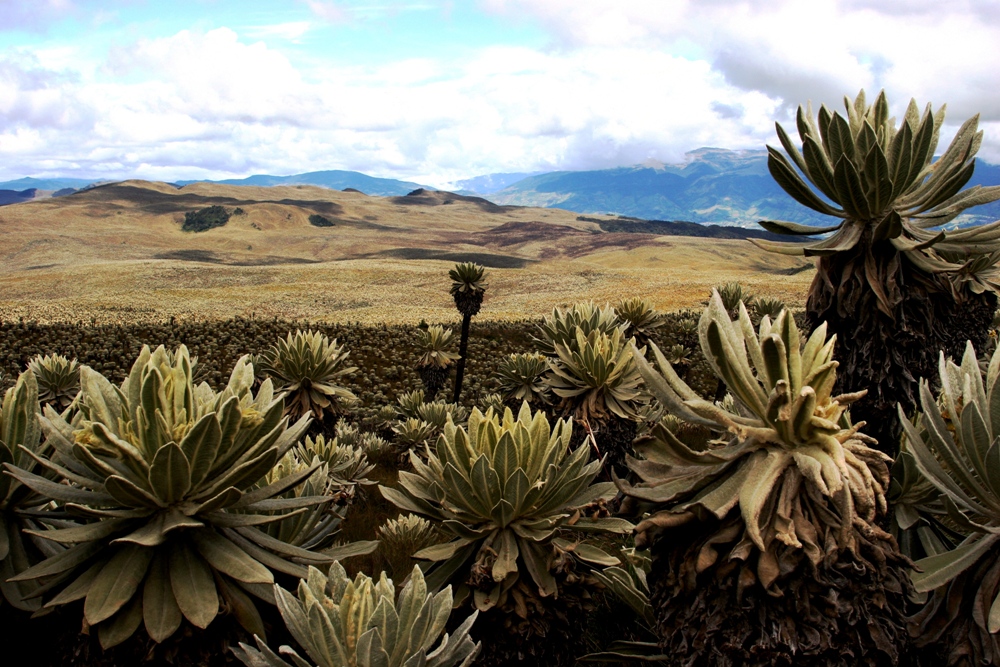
(434, 91)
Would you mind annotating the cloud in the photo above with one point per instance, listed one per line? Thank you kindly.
(614, 87)
(507, 108)
(37, 98)
(245, 82)
(343, 12)
(906, 47)
(795, 51)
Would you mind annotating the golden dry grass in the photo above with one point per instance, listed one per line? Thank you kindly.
(98, 256)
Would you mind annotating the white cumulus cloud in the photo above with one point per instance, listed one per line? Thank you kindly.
(618, 84)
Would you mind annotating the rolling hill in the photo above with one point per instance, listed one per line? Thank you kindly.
(119, 250)
(16, 197)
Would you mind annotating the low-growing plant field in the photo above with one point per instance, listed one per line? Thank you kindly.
(386, 355)
(374, 292)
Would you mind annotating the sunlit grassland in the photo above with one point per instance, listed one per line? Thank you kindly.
(119, 255)
(374, 291)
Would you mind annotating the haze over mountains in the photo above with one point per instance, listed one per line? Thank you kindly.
(713, 185)
(334, 179)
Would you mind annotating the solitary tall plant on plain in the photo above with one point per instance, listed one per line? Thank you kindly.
(891, 281)
(467, 288)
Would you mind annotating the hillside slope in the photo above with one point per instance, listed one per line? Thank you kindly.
(119, 251)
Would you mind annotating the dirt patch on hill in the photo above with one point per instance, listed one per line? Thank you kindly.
(612, 241)
(209, 257)
(515, 233)
(489, 260)
(561, 240)
(790, 271)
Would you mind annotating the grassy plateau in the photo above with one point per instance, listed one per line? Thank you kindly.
(117, 253)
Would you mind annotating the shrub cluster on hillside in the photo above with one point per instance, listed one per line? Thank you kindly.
(205, 219)
(317, 220)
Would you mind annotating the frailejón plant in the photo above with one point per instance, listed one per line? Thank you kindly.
(597, 383)
(402, 537)
(307, 369)
(468, 287)
(163, 476)
(436, 361)
(892, 282)
(347, 466)
(361, 623)
(58, 380)
(564, 323)
(521, 377)
(20, 441)
(514, 502)
(956, 448)
(772, 524)
(313, 527)
(639, 317)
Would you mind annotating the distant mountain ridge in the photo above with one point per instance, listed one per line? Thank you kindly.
(490, 183)
(333, 179)
(713, 185)
(16, 196)
(48, 183)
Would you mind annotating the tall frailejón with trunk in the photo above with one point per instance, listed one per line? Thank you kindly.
(468, 288)
(765, 544)
(892, 283)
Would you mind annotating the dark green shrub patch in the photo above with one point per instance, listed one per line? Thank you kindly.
(205, 219)
(317, 220)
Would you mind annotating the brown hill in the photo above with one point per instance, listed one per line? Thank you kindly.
(120, 248)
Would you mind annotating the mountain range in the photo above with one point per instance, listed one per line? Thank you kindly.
(490, 183)
(712, 185)
(334, 179)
